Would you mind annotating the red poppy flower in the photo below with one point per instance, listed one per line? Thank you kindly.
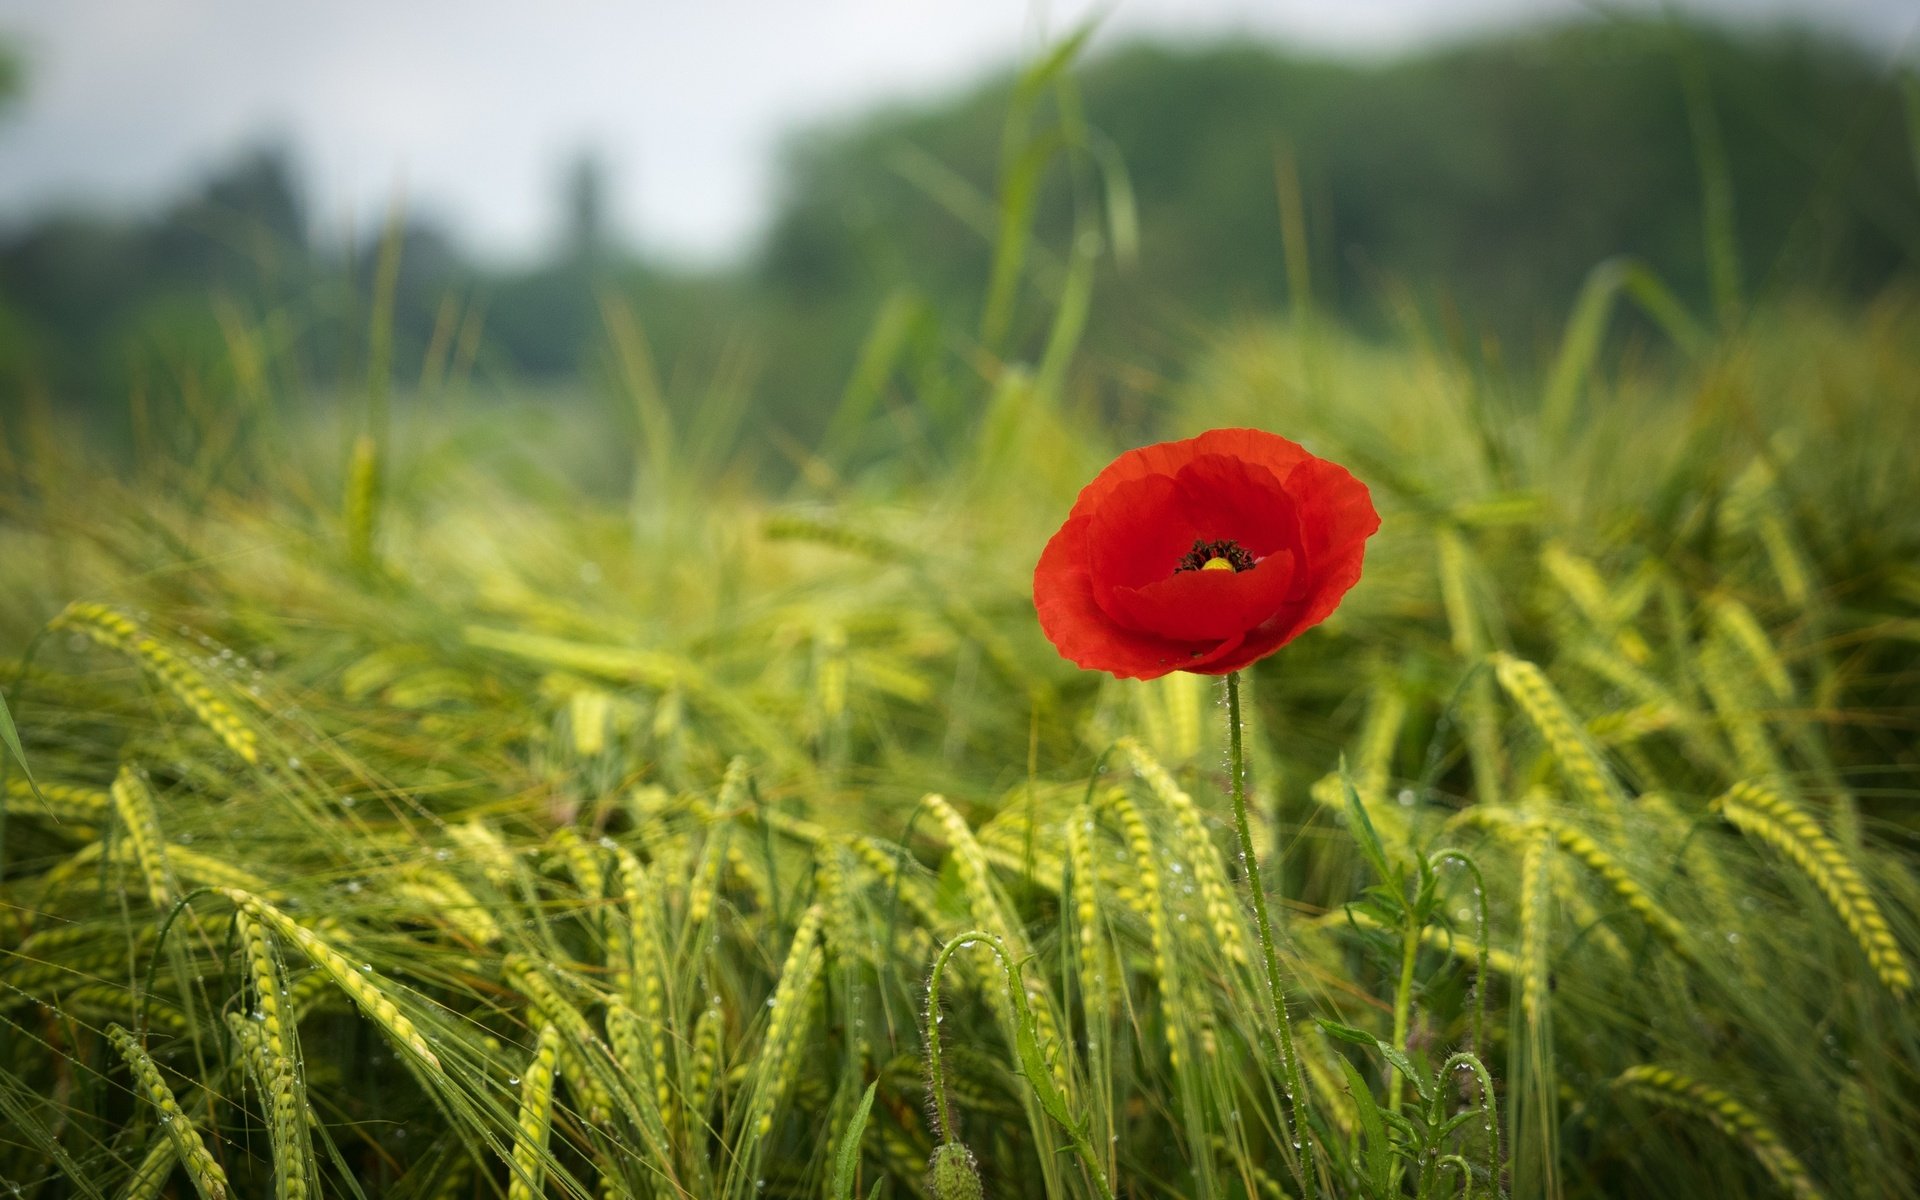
(1203, 555)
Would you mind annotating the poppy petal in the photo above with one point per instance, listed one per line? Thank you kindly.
(1236, 500)
(1137, 534)
(1336, 519)
(1206, 606)
(1083, 633)
(1278, 455)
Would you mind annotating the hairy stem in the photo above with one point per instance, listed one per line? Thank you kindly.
(1289, 1062)
(1403, 1003)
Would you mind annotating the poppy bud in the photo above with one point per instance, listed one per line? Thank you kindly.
(951, 1174)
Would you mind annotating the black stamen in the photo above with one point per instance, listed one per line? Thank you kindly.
(1204, 552)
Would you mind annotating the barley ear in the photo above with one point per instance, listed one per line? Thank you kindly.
(1670, 1089)
(149, 1179)
(133, 803)
(208, 1179)
(278, 1068)
(1580, 765)
(1767, 816)
(115, 630)
(361, 985)
(535, 1120)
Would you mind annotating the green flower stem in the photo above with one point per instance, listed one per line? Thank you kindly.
(1403, 1004)
(1296, 1087)
(1490, 1106)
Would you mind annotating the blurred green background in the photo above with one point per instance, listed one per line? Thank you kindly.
(1461, 192)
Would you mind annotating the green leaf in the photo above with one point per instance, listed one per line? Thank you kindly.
(1409, 1132)
(1379, 1152)
(847, 1161)
(1347, 1033)
(1363, 831)
(11, 736)
(1404, 1065)
(1033, 1065)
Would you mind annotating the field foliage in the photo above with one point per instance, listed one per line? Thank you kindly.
(411, 814)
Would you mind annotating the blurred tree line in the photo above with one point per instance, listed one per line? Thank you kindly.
(1484, 178)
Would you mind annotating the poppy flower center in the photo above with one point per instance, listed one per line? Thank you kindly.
(1223, 555)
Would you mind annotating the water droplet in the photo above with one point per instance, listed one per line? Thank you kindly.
(513, 1081)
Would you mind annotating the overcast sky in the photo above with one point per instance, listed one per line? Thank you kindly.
(469, 107)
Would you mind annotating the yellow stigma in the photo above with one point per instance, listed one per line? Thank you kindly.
(1216, 564)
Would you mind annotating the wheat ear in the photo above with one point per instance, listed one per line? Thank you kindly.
(1764, 814)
